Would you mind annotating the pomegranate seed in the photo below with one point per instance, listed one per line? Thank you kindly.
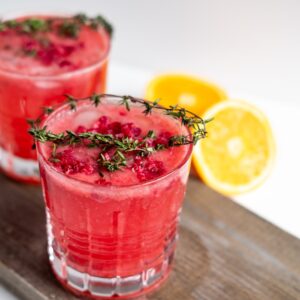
(129, 130)
(114, 128)
(101, 125)
(71, 165)
(102, 181)
(163, 138)
(65, 63)
(147, 168)
(80, 129)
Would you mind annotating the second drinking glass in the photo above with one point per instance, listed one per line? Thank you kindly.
(42, 58)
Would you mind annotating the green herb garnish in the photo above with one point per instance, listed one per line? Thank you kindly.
(67, 27)
(121, 146)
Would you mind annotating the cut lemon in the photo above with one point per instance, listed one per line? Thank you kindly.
(239, 151)
(187, 91)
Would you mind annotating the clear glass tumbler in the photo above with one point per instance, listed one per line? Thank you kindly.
(22, 96)
(111, 241)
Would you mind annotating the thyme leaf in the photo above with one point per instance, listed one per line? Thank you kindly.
(125, 145)
(67, 27)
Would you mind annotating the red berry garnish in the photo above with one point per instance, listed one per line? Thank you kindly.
(122, 113)
(70, 165)
(114, 128)
(129, 130)
(101, 125)
(148, 168)
(66, 50)
(65, 63)
(81, 129)
(30, 45)
(163, 138)
(102, 181)
(48, 55)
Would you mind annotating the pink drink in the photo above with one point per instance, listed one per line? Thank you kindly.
(112, 236)
(36, 71)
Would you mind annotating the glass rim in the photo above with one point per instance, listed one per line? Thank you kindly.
(43, 159)
(66, 74)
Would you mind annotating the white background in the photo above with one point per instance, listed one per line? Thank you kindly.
(251, 48)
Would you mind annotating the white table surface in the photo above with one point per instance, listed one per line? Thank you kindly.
(7, 295)
(278, 199)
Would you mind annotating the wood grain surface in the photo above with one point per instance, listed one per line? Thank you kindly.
(224, 252)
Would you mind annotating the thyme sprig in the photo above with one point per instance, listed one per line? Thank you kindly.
(67, 27)
(121, 147)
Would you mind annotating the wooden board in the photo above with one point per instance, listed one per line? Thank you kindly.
(224, 252)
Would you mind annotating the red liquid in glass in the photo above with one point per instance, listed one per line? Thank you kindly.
(118, 231)
(59, 66)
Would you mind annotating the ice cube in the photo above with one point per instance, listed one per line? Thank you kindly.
(85, 118)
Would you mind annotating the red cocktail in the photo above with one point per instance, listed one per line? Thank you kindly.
(41, 59)
(112, 225)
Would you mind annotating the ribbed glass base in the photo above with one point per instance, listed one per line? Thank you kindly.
(19, 168)
(103, 287)
(100, 287)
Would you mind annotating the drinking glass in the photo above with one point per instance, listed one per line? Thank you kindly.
(22, 97)
(111, 241)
